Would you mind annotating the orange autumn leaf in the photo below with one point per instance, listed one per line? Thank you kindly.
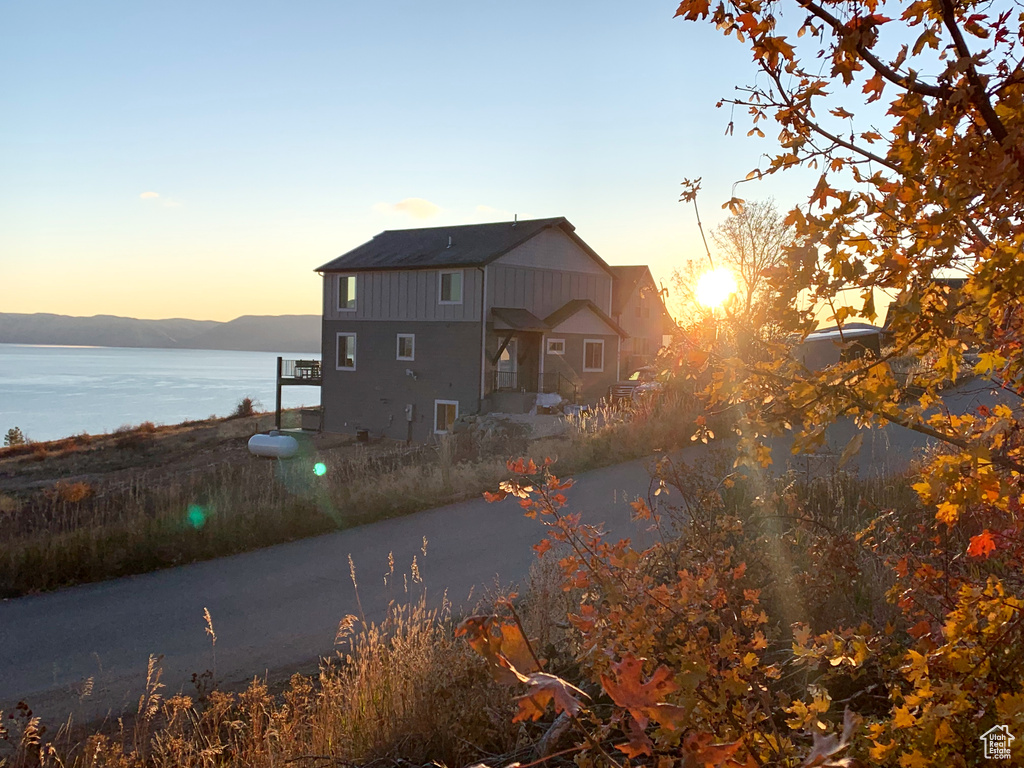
(982, 545)
(502, 645)
(644, 700)
(546, 689)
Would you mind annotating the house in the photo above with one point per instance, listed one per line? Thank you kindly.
(831, 345)
(422, 326)
(639, 309)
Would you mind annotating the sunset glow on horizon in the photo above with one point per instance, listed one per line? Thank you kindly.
(157, 167)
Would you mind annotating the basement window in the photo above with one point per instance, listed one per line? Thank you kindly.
(445, 414)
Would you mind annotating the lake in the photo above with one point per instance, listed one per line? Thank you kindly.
(54, 392)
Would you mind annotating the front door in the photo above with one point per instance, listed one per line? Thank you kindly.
(507, 374)
(529, 361)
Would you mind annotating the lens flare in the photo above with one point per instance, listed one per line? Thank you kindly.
(196, 516)
(319, 469)
(715, 287)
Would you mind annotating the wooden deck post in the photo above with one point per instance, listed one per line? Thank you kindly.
(277, 415)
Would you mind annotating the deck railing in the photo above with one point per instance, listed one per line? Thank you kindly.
(301, 369)
(505, 381)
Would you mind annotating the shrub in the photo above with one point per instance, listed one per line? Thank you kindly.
(245, 407)
(14, 436)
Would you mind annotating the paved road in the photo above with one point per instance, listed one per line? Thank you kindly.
(275, 609)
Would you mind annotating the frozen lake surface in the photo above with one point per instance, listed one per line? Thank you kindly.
(54, 392)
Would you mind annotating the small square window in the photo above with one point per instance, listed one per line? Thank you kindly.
(445, 414)
(346, 360)
(406, 346)
(347, 293)
(451, 288)
(556, 346)
(593, 355)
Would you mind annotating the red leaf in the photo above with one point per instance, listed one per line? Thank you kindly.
(874, 87)
(626, 688)
(982, 545)
(920, 629)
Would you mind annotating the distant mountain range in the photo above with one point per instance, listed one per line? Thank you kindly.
(255, 333)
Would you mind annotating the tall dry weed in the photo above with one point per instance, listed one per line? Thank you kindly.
(401, 690)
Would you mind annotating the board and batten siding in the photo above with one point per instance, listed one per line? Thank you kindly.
(542, 291)
(544, 273)
(404, 295)
(552, 249)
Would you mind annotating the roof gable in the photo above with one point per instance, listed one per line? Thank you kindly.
(570, 308)
(627, 280)
(468, 245)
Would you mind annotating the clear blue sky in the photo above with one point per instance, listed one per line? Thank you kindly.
(201, 159)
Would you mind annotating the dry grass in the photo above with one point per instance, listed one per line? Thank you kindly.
(403, 689)
(82, 529)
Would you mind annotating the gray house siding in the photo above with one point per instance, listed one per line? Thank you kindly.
(544, 273)
(552, 248)
(542, 291)
(404, 295)
(373, 396)
(593, 385)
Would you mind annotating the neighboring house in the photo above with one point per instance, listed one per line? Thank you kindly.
(638, 308)
(828, 346)
(422, 326)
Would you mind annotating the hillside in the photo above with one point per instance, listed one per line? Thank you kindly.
(285, 333)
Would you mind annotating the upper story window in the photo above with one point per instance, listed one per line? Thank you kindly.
(406, 346)
(450, 288)
(593, 355)
(346, 360)
(347, 293)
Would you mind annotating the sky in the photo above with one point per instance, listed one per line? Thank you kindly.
(201, 160)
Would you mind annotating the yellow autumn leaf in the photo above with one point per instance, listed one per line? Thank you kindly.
(944, 734)
(947, 513)
(902, 718)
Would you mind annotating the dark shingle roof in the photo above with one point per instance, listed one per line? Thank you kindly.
(626, 279)
(471, 245)
(570, 308)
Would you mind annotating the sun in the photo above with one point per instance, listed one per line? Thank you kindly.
(715, 287)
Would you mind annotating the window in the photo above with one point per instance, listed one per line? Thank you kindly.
(451, 288)
(406, 346)
(346, 360)
(445, 414)
(556, 346)
(593, 355)
(347, 293)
